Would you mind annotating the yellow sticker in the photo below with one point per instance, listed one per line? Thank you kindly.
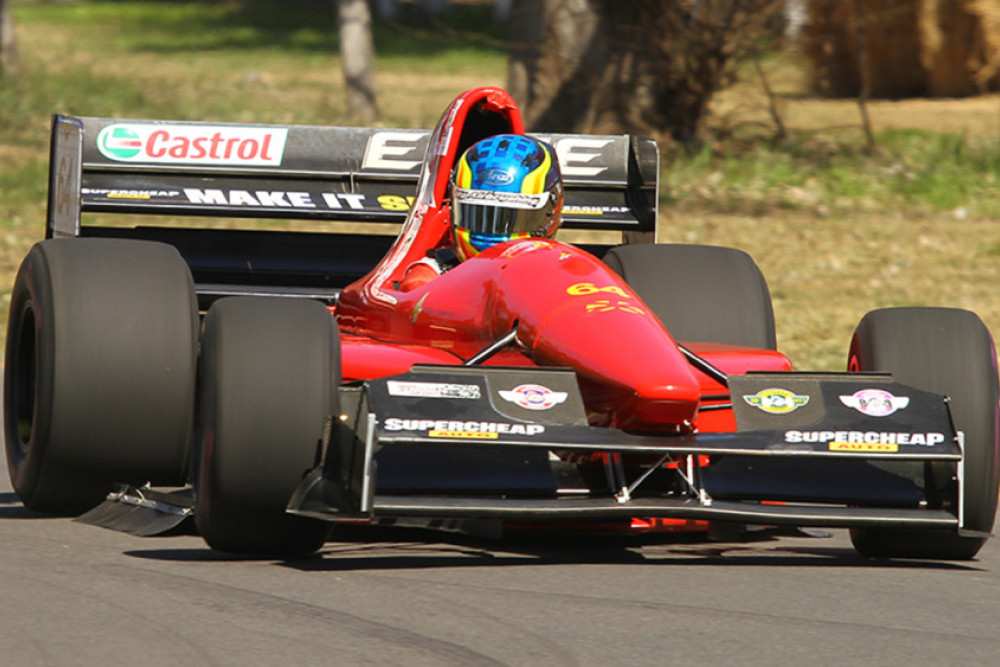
(606, 305)
(584, 289)
(836, 446)
(470, 435)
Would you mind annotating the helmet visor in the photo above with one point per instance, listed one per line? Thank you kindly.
(500, 214)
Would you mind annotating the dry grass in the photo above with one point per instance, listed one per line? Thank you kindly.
(825, 273)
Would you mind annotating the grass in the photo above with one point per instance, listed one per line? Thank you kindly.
(838, 230)
(912, 169)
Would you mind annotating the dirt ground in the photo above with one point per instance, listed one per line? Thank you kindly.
(798, 109)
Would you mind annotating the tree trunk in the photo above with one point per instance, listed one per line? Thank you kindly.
(501, 9)
(357, 56)
(9, 62)
(636, 66)
(554, 55)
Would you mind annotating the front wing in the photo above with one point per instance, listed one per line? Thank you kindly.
(514, 445)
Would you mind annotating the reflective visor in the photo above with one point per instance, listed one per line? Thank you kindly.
(500, 214)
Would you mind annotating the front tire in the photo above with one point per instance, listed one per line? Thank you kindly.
(99, 370)
(946, 351)
(705, 294)
(269, 375)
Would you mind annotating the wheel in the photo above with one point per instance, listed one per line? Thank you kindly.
(100, 370)
(947, 351)
(705, 294)
(269, 374)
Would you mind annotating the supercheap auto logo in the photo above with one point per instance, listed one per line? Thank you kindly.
(444, 428)
(193, 144)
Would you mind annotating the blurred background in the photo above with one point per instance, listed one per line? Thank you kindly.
(851, 147)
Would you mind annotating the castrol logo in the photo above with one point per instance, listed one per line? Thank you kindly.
(193, 144)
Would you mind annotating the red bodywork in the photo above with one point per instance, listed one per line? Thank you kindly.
(568, 307)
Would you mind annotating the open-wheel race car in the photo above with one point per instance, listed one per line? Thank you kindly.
(275, 383)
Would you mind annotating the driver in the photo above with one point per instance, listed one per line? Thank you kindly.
(503, 188)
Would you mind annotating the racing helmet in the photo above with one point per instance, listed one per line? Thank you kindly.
(505, 187)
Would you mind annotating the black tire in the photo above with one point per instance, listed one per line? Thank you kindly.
(269, 375)
(100, 370)
(951, 352)
(705, 294)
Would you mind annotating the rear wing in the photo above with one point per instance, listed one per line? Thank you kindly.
(344, 175)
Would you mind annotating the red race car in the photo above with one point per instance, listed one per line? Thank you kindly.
(275, 383)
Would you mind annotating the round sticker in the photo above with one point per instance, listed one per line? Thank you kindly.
(875, 402)
(534, 396)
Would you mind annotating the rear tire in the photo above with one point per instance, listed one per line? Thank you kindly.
(951, 352)
(99, 370)
(269, 375)
(706, 294)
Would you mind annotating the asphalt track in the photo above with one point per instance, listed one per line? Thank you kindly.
(74, 594)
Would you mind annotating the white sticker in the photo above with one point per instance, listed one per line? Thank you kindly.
(875, 402)
(192, 144)
(433, 390)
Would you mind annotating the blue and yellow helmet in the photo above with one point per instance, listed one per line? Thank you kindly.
(505, 187)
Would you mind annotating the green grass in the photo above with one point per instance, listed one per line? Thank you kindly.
(23, 188)
(912, 169)
(251, 61)
(304, 27)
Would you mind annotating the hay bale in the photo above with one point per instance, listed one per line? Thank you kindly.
(892, 44)
(830, 48)
(987, 74)
(951, 48)
(936, 48)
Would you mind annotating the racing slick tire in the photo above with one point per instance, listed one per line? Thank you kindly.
(100, 368)
(947, 351)
(269, 374)
(708, 294)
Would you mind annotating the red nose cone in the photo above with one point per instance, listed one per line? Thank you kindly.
(633, 370)
(572, 310)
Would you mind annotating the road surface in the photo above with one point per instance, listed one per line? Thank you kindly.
(74, 594)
